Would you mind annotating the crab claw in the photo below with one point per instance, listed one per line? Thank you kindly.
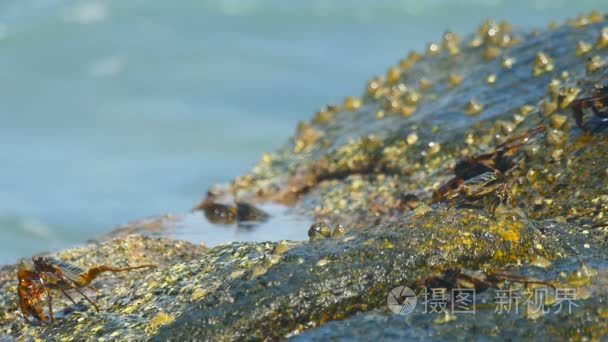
(31, 291)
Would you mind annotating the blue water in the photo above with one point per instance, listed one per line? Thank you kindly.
(116, 110)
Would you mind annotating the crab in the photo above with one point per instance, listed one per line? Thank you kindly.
(50, 274)
(478, 176)
(485, 185)
(597, 103)
(460, 279)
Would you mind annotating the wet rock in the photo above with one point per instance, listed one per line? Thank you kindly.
(327, 280)
(586, 319)
(414, 154)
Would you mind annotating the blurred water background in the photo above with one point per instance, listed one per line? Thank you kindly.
(116, 110)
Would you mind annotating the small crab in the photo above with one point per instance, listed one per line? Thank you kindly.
(54, 274)
(500, 160)
(598, 104)
(485, 185)
(459, 279)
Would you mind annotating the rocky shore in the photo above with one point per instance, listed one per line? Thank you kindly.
(375, 164)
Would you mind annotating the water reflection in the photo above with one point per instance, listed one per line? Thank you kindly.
(279, 223)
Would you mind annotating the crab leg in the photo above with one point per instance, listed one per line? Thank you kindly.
(500, 277)
(91, 274)
(69, 297)
(50, 304)
(74, 286)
